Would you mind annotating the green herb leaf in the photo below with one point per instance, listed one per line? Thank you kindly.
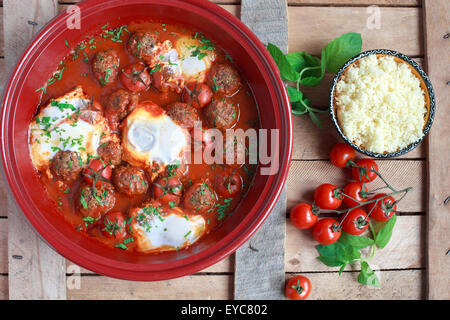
(314, 70)
(367, 276)
(315, 119)
(341, 49)
(294, 95)
(287, 72)
(296, 60)
(385, 234)
(358, 242)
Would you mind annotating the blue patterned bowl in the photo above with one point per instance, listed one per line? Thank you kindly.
(425, 84)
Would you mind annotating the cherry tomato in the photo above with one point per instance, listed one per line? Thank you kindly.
(168, 190)
(362, 174)
(302, 216)
(298, 288)
(228, 184)
(135, 77)
(97, 171)
(326, 231)
(357, 191)
(384, 209)
(341, 154)
(198, 95)
(113, 225)
(327, 196)
(356, 222)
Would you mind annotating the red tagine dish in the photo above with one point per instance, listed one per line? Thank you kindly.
(103, 119)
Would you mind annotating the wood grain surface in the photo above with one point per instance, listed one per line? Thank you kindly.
(259, 266)
(402, 264)
(35, 270)
(437, 28)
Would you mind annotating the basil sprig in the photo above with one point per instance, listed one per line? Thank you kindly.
(347, 250)
(301, 68)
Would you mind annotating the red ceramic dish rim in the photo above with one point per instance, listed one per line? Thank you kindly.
(221, 249)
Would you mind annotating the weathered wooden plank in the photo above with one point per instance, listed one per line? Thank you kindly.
(392, 3)
(398, 284)
(3, 287)
(35, 270)
(406, 249)
(321, 2)
(395, 285)
(437, 26)
(311, 28)
(259, 265)
(196, 287)
(305, 176)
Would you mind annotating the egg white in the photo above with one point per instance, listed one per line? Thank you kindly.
(185, 59)
(149, 135)
(173, 230)
(58, 126)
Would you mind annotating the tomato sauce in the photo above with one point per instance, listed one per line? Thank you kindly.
(76, 70)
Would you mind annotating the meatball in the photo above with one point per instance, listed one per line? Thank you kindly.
(110, 152)
(93, 202)
(130, 180)
(224, 79)
(105, 66)
(199, 197)
(142, 44)
(221, 114)
(66, 165)
(119, 104)
(197, 95)
(183, 114)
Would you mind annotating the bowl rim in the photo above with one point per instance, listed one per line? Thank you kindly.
(428, 85)
(197, 261)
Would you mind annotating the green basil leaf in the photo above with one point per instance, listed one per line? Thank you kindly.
(341, 269)
(367, 276)
(330, 262)
(313, 74)
(385, 233)
(287, 72)
(339, 252)
(296, 60)
(299, 108)
(315, 119)
(294, 95)
(358, 242)
(341, 49)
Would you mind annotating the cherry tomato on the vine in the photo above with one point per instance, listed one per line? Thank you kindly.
(168, 190)
(113, 225)
(298, 288)
(327, 231)
(341, 154)
(97, 171)
(303, 216)
(328, 196)
(356, 191)
(135, 77)
(362, 173)
(384, 209)
(356, 222)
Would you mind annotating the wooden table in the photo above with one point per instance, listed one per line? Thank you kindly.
(415, 263)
